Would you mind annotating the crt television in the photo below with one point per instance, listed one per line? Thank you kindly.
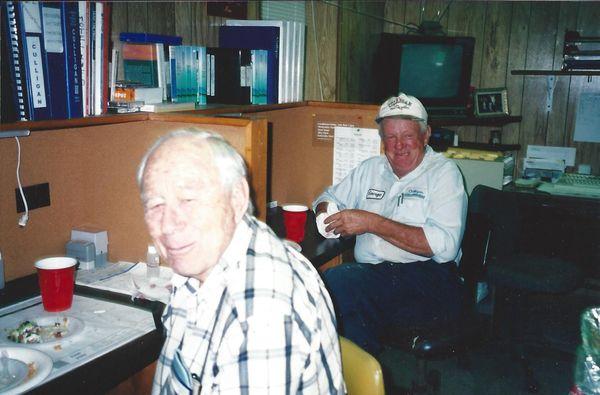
(434, 69)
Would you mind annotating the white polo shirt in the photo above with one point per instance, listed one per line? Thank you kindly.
(432, 196)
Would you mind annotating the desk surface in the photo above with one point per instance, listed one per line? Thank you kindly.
(315, 247)
(555, 225)
(106, 371)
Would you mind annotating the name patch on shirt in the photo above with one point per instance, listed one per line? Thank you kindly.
(414, 193)
(375, 194)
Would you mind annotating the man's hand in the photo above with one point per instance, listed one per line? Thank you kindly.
(356, 222)
(350, 222)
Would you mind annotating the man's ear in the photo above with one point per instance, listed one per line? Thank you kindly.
(240, 197)
(427, 135)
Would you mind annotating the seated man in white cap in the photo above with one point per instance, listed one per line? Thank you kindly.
(407, 209)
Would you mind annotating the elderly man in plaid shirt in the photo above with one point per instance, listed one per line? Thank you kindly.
(248, 314)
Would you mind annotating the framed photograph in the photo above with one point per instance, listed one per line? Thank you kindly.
(491, 102)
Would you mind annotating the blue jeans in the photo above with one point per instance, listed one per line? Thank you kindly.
(372, 299)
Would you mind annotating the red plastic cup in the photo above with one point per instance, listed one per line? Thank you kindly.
(56, 276)
(294, 219)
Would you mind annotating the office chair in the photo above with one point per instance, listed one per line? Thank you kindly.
(517, 275)
(448, 338)
(362, 373)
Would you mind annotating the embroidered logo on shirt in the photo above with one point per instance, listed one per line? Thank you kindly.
(375, 194)
(414, 193)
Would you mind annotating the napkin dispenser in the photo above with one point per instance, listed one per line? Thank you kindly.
(96, 236)
(84, 252)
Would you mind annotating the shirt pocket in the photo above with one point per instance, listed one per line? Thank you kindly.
(413, 210)
(180, 380)
(172, 386)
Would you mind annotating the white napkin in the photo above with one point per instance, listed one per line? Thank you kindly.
(332, 208)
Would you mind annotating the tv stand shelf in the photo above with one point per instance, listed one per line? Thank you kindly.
(556, 72)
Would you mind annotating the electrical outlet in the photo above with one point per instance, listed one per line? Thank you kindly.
(36, 195)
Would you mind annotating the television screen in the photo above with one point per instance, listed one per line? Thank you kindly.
(435, 69)
(430, 70)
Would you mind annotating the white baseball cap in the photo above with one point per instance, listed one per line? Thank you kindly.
(403, 106)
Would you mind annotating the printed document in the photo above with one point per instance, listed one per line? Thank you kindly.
(351, 146)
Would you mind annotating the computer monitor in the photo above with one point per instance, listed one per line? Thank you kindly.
(435, 69)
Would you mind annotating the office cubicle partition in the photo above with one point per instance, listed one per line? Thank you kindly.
(91, 170)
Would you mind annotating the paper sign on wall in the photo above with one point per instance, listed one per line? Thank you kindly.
(587, 121)
(351, 146)
(325, 124)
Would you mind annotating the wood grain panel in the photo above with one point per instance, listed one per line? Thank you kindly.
(184, 21)
(205, 28)
(517, 55)
(495, 53)
(540, 55)
(321, 51)
(137, 16)
(253, 10)
(199, 23)
(358, 38)
(557, 117)
(161, 17)
(394, 11)
(433, 10)
(468, 19)
(256, 144)
(118, 24)
(413, 15)
(212, 39)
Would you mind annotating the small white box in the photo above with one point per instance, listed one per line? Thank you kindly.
(97, 236)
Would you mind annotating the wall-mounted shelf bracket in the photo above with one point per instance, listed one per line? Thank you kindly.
(550, 84)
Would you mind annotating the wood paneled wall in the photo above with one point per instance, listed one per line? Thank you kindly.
(341, 37)
(509, 35)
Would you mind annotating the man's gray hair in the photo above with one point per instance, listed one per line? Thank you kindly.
(422, 124)
(227, 160)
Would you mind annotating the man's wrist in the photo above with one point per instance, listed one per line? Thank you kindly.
(371, 222)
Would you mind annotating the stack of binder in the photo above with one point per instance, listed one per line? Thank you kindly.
(257, 37)
(581, 53)
(289, 52)
(55, 57)
(146, 59)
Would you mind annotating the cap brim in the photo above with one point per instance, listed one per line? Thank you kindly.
(401, 116)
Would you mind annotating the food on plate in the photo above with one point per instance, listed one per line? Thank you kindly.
(31, 369)
(29, 332)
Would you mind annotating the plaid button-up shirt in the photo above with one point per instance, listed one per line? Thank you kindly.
(261, 323)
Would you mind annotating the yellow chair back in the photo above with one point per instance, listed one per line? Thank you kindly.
(362, 372)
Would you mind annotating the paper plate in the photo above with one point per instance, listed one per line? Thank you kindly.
(53, 328)
(293, 244)
(37, 365)
(17, 373)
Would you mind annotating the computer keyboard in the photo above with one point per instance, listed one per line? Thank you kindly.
(574, 185)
